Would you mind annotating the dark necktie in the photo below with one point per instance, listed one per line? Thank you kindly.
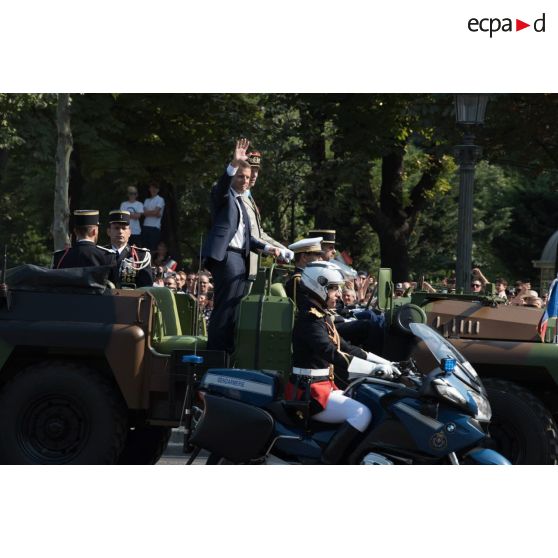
(246, 226)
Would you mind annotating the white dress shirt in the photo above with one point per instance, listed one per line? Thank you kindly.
(238, 239)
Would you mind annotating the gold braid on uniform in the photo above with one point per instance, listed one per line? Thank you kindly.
(296, 281)
(333, 334)
(129, 267)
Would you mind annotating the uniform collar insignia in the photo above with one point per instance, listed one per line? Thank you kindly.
(316, 312)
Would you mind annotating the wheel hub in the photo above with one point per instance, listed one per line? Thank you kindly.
(53, 428)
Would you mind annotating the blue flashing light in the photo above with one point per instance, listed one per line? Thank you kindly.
(192, 359)
(448, 365)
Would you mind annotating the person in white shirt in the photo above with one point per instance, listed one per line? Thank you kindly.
(135, 208)
(153, 209)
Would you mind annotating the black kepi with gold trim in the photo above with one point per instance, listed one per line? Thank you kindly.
(86, 217)
(119, 216)
(328, 235)
(254, 158)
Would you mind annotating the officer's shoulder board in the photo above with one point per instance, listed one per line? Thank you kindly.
(109, 250)
(315, 312)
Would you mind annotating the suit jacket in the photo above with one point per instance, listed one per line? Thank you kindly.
(257, 232)
(225, 217)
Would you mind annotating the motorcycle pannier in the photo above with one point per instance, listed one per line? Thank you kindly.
(233, 430)
(254, 387)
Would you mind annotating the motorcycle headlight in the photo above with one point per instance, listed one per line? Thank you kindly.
(450, 393)
(483, 411)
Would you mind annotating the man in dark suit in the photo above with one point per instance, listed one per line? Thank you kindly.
(133, 263)
(85, 252)
(227, 248)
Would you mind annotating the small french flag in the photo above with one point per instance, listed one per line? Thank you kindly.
(551, 310)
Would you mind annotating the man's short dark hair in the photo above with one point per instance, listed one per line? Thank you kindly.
(87, 230)
(244, 165)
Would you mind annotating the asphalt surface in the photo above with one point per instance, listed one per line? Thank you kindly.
(173, 454)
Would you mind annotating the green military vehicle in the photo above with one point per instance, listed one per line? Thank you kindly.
(519, 371)
(90, 374)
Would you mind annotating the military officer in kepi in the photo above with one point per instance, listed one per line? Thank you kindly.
(328, 242)
(366, 333)
(254, 159)
(85, 252)
(322, 360)
(133, 263)
(305, 251)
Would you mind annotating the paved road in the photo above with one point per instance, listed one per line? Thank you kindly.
(173, 454)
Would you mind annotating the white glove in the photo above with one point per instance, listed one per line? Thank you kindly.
(371, 357)
(287, 254)
(386, 371)
(360, 367)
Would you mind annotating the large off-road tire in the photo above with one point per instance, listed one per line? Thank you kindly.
(145, 445)
(61, 413)
(521, 429)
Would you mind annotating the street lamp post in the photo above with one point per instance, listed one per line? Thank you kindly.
(469, 111)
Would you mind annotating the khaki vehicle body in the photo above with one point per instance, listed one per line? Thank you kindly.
(501, 341)
(497, 339)
(90, 374)
(113, 332)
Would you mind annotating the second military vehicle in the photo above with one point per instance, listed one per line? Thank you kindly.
(501, 341)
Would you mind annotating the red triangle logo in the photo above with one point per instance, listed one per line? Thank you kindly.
(519, 25)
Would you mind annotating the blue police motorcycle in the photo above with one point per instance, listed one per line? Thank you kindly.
(437, 417)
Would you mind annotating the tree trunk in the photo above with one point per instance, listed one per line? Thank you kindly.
(63, 152)
(321, 186)
(390, 219)
(77, 181)
(394, 253)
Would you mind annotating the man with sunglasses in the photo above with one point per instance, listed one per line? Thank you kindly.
(476, 286)
(135, 208)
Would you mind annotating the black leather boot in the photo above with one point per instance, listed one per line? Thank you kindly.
(339, 443)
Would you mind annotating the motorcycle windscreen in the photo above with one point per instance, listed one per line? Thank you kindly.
(233, 430)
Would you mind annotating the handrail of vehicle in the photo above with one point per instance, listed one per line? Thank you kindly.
(138, 311)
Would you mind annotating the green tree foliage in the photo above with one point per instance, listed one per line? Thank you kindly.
(534, 206)
(379, 168)
(27, 170)
(521, 132)
(435, 237)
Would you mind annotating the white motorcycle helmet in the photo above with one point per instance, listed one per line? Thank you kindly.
(317, 277)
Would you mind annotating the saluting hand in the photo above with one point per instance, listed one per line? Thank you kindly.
(240, 151)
